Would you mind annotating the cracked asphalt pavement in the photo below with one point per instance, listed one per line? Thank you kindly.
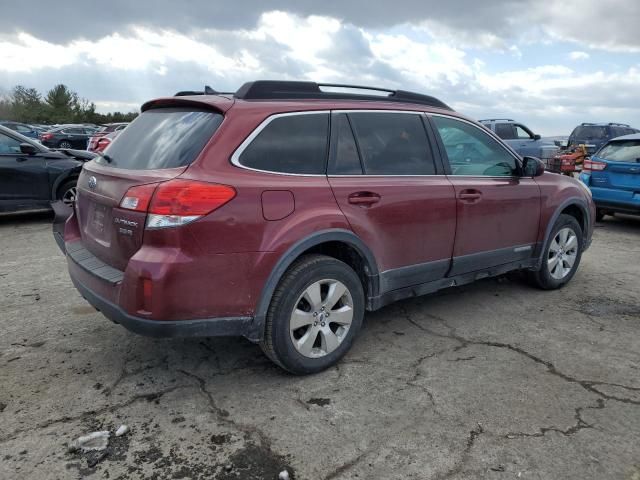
(494, 380)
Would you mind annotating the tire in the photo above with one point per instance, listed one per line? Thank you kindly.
(600, 215)
(67, 192)
(326, 332)
(65, 144)
(561, 256)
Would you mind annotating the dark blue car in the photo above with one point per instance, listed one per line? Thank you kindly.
(613, 175)
(595, 135)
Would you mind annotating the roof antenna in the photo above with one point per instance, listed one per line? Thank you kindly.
(209, 91)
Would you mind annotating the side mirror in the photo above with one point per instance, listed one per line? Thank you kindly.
(536, 137)
(532, 167)
(28, 149)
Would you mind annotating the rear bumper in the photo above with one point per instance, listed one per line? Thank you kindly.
(616, 200)
(206, 327)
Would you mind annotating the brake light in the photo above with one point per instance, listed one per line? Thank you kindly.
(46, 136)
(101, 144)
(176, 202)
(593, 166)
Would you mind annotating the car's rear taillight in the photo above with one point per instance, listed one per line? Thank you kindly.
(176, 202)
(46, 136)
(593, 166)
(101, 144)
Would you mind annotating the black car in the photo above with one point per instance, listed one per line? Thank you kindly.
(594, 135)
(32, 176)
(68, 136)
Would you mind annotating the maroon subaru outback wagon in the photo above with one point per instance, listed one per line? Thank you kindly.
(286, 210)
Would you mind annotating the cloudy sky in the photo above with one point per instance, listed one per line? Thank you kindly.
(550, 64)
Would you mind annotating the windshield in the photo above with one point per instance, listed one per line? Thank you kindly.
(162, 138)
(621, 151)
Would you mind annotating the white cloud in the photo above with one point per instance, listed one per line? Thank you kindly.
(131, 66)
(28, 53)
(579, 56)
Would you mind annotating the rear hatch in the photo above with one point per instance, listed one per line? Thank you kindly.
(622, 171)
(158, 146)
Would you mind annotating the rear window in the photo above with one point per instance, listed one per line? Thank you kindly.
(589, 133)
(162, 138)
(294, 144)
(621, 151)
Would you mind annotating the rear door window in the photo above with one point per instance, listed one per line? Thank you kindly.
(162, 138)
(621, 151)
(505, 131)
(392, 143)
(295, 144)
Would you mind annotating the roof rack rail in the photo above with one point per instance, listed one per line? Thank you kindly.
(497, 120)
(297, 90)
(619, 124)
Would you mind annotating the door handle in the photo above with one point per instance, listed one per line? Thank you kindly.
(470, 196)
(21, 159)
(364, 199)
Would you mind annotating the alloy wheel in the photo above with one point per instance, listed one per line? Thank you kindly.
(562, 254)
(69, 196)
(321, 318)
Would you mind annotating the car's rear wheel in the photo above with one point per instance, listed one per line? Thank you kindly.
(600, 215)
(314, 315)
(65, 144)
(67, 192)
(562, 254)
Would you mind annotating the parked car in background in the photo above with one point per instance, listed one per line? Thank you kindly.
(104, 136)
(613, 175)
(284, 220)
(594, 135)
(521, 138)
(22, 128)
(68, 136)
(32, 176)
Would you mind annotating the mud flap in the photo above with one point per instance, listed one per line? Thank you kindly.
(62, 213)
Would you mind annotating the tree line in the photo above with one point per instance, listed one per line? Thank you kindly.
(58, 105)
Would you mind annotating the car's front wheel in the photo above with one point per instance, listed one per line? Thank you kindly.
(68, 191)
(562, 254)
(314, 315)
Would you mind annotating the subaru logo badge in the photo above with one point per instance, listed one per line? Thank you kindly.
(93, 183)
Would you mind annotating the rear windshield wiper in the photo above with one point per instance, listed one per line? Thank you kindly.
(106, 157)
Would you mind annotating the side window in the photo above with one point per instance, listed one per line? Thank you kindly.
(505, 131)
(472, 152)
(290, 144)
(8, 145)
(392, 143)
(522, 134)
(344, 159)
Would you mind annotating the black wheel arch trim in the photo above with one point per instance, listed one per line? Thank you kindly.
(61, 179)
(334, 235)
(588, 221)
